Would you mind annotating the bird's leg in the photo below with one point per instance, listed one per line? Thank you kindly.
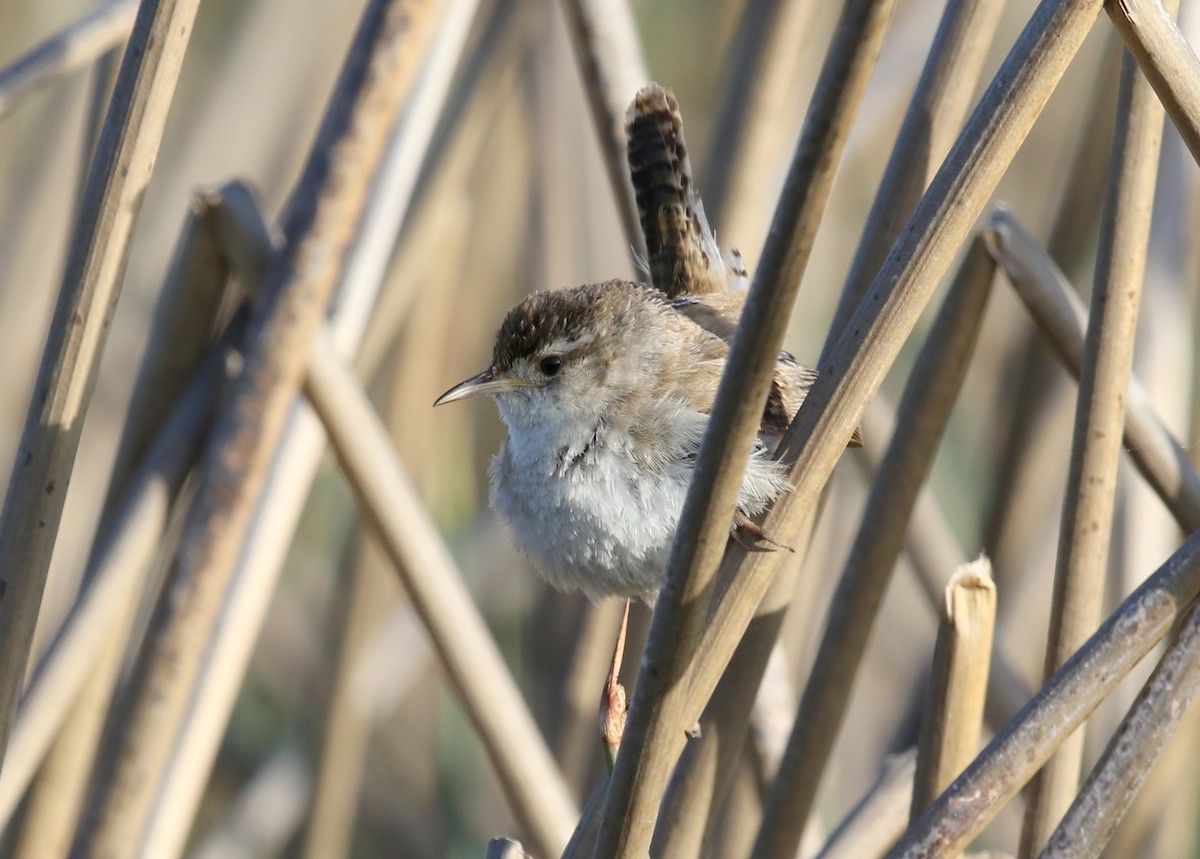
(613, 705)
(743, 524)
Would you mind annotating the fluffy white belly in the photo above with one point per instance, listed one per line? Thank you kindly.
(603, 526)
(599, 522)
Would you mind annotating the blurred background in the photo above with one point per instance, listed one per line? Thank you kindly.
(513, 197)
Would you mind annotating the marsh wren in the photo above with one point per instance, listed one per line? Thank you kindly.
(606, 390)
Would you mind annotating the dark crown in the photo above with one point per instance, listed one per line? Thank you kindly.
(550, 316)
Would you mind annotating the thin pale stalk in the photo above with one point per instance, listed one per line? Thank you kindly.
(879, 818)
(1079, 581)
(346, 728)
(1133, 750)
(932, 122)
(1022, 455)
(609, 53)
(117, 570)
(378, 77)
(1165, 58)
(68, 50)
(1058, 312)
(532, 783)
(299, 451)
(661, 710)
(929, 395)
(264, 814)
(1067, 699)
(87, 298)
(761, 72)
(958, 682)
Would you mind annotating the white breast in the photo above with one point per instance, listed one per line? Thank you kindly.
(591, 518)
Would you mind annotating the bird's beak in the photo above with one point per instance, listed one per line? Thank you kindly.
(486, 383)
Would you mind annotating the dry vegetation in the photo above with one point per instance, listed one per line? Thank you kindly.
(220, 641)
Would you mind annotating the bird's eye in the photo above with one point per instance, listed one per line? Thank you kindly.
(551, 364)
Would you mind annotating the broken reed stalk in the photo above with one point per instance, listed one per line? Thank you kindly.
(118, 568)
(491, 699)
(932, 122)
(1066, 700)
(91, 284)
(1058, 312)
(660, 711)
(929, 395)
(932, 548)
(1133, 749)
(300, 448)
(1080, 578)
(879, 818)
(1166, 59)
(184, 322)
(604, 37)
(378, 76)
(958, 682)
(71, 48)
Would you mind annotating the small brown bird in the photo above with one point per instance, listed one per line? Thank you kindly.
(606, 390)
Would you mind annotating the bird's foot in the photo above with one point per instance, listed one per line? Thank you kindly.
(613, 702)
(743, 525)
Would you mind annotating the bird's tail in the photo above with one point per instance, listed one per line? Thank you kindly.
(682, 254)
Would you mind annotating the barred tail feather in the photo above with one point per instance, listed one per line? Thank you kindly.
(682, 253)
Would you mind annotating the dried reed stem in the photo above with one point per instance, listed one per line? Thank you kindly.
(1019, 465)
(116, 571)
(71, 48)
(1165, 58)
(932, 122)
(890, 309)
(1068, 698)
(660, 711)
(958, 682)
(1133, 750)
(377, 78)
(874, 824)
(609, 53)
(1079, 581)
(929, 395)
(532, 783)
(185, 321)
(299, 450)
(1059, 314)
(91, 283)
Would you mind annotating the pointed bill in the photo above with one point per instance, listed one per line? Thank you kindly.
(486, 383)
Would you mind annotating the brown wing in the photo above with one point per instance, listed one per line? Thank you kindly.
(718, 314)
